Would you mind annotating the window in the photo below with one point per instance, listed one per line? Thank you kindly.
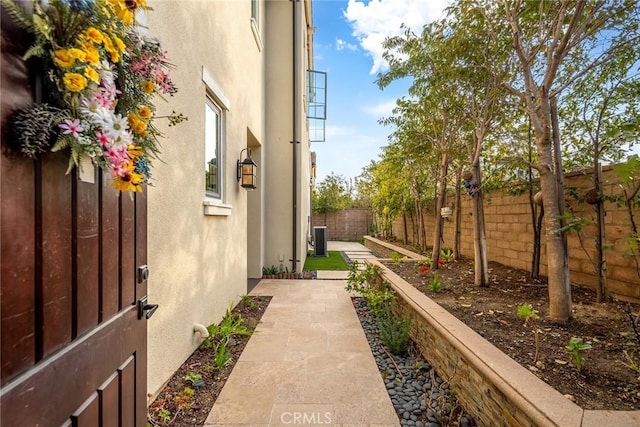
(213, 149)
(255, 23)
(255, 12)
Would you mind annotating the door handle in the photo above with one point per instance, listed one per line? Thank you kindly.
(144, 309)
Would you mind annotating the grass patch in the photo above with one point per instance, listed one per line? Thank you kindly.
(333, 262)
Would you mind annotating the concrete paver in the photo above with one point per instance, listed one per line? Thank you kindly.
(308, 364)
(332, 275)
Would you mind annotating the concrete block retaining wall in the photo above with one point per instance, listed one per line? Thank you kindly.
(491, 386)
(510, 233)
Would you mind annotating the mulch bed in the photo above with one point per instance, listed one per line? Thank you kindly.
(175, 405)
(606, 381)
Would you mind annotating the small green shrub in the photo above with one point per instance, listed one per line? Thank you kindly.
(358, 279)
(394, 333)
(435, 284)
(379, 300)
(576, 349)
(426, 262)
(363, 282)
(222, 355)
(527, 313)
(164, 415)
(397, 259)
(192, 377)
(446, 254)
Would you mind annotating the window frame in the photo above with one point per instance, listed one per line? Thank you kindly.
(216, 206)
(255, 23)
(218, 112)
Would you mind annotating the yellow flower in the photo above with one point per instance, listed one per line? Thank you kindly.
(131, 181)
(63, 59)
(121, 10)
(108, 44)
(92, 74)
(134, 151)
(137, 126)
(94, 35)
(77, 54)
(92, 55)
(119, 44)
(145, 112)
(115, 56)
(148, 86)
(75, 82)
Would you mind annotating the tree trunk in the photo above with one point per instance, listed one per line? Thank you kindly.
(537, 214)
(404, 227)
(557, 266)
(481, 264)
(601, 262)
(440, 202)
(458, 217)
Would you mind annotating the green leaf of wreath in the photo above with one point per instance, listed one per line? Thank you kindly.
(19, 15)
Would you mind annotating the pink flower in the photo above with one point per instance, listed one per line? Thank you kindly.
(71, 127)
(103, 139)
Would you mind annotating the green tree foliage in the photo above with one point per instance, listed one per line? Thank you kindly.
(332, 194)
(485, 80)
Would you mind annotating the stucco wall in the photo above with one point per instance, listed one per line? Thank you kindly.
(197, 262)
(510, 234)
(279, 151)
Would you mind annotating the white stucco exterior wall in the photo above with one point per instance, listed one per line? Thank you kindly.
(198, 263)
(279, 200)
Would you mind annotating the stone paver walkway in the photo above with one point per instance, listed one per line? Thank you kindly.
(308, 364)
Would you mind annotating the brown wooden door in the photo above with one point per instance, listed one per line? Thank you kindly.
(73, 346)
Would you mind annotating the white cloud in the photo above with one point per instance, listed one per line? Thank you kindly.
(372, 22)
(383, 109)
(342, 45)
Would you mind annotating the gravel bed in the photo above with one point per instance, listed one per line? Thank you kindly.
(419, 396)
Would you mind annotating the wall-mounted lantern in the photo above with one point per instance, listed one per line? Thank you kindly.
(247, 171)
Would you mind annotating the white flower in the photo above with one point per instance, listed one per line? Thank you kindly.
(106, 74)
(123, 140)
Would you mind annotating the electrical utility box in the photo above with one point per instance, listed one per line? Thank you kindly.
(320, 241)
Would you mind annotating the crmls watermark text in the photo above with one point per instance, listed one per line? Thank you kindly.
(306, 418)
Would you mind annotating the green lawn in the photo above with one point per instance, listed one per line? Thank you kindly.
(333, 262)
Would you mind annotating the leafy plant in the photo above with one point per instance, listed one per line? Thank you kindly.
(222, 355)
(435, 284)
(576, 349)
(232, 324)
(248, 302)
(527, 313)
(446, 254)
(394, 333)
(268, 271)
(364, 282)
(379, 300)
(358, 279)
(397, 259)
(426, 262)
(192, 377)
(164, 414)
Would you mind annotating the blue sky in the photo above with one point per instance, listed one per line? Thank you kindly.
(348, 46)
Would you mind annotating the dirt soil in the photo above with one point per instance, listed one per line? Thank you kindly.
(604, 382)
(175, 405)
